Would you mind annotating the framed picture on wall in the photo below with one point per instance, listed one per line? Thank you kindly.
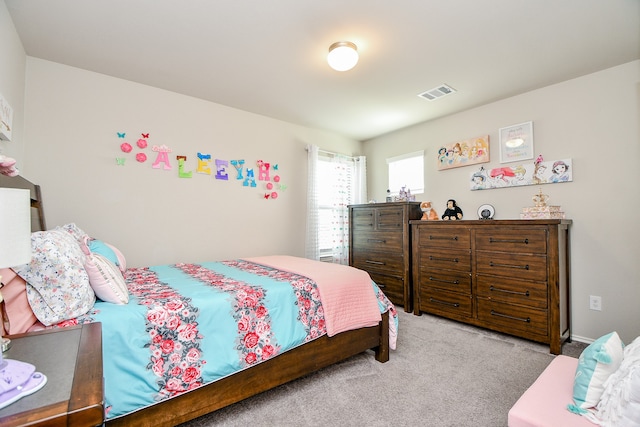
(464, 153)
(516, 142)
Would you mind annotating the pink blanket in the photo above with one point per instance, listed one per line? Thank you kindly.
(346, 293)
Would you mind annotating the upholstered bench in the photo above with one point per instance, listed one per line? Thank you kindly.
(544, 404)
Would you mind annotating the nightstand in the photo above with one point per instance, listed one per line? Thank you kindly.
(71, 358)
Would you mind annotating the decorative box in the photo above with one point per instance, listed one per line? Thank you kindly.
(541, 210)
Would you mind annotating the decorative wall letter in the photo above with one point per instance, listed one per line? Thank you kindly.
(163, 157)
(250, 181)
(203, 163)
(238, 164)
(221, 169)
(263, 171)
(181, 172)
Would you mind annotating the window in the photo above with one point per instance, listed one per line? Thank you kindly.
(335, 188)
(406, 171)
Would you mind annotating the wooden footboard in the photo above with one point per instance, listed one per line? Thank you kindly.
(284, 368)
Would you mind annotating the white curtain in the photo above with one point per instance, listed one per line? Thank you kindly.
(312, 247)
(346, 183)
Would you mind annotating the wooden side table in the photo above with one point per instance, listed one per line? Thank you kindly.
(71, 358)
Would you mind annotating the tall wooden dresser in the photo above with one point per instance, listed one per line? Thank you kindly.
(380, 243)
(510, 276)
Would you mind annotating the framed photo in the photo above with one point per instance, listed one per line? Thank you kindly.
(516, 142)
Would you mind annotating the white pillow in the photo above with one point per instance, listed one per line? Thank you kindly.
(595, 365)
(106, 279)
(620, 401)
(104, 276)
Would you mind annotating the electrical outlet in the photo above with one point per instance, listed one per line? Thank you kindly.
(595, 303)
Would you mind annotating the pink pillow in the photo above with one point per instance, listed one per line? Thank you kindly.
(14, 292)
(105, 277)
(122, 263)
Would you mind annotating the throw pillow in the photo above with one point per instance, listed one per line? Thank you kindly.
(106, 279)
(595, 365)
(104, 276)
(57, 284)
(620, 401)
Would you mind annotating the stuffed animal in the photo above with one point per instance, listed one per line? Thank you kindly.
(428, 212)
(8, 166)
(453, 212)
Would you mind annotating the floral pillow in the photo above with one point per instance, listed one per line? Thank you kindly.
(57, 283)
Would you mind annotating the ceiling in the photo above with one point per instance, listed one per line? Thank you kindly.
(269, 57)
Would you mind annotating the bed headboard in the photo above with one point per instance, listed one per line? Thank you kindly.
(37, 212)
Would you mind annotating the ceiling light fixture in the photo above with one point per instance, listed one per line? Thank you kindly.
(342, 56)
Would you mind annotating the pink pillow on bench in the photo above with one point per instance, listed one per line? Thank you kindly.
(14, 292)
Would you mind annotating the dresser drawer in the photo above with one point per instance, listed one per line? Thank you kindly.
(521, 240)
(531, 294)
(446, 279)
(445, 259)
(391, 262)
(513, 318)
(391, 218)
(378, 240)
(363, 219)
(391, 285)
(450, 304)
(519, 266)
(447, 237)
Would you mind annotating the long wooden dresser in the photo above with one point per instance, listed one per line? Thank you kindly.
(380, 243)
(510, 276)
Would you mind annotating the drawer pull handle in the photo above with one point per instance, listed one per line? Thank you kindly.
(376, 241)
(524, 267)
(452, 304)
(433, 258)
(443, 238)
(492, 240)
(506, 291)
(374, 262)
(527, 320)
(389, 224)
(393, 276)
(453, 282)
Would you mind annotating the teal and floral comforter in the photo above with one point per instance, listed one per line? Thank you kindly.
(190, 324)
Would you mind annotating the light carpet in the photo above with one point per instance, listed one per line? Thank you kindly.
(443, 373)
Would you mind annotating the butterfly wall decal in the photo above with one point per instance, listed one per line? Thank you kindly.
(145, 135)
(121, 135)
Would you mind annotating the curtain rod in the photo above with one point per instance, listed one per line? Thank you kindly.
(331, 153)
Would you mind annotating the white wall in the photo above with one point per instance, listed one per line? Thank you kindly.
(152, 215)
(595, 121)
(12, 75)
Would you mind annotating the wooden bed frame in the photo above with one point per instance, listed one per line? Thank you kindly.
(288, 366)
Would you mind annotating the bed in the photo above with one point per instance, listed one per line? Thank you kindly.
(186, 359)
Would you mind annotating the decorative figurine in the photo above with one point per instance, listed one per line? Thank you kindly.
(428, 213)
(453, 212)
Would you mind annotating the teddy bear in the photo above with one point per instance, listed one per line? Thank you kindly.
(8, 166)
(428, 213)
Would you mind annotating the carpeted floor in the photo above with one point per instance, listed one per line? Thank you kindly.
(443, 373)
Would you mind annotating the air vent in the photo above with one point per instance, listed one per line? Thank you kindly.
(437, 92)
